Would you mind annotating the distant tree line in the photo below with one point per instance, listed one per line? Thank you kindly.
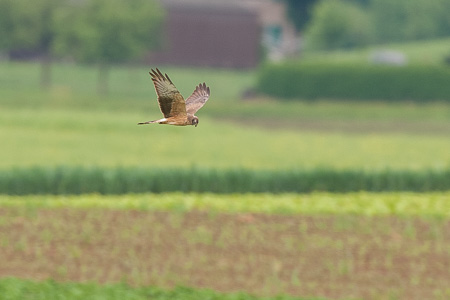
(332, 24)
(90, 31)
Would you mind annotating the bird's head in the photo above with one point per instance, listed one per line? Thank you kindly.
(195, 121)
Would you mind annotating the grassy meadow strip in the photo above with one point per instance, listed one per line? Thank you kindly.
(60, 137)
(19, 289)
(77, 180)
(423, 52)
(125, 82)
(361, 203)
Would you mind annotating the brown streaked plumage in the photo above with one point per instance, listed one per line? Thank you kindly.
(175, 109)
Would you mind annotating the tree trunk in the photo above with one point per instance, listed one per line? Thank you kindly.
(102, 80)
(46, 71)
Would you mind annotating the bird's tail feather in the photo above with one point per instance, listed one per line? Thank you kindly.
(151, 122)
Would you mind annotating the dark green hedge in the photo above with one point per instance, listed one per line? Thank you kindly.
(360, 82)
(72, 180)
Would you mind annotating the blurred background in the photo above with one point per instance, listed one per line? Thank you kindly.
(317, 80)
(314, 98)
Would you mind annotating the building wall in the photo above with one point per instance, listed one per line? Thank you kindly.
(202, 34)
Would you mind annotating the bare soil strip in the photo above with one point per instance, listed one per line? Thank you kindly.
(330, 256)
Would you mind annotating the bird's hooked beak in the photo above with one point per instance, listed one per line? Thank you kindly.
(195, 121)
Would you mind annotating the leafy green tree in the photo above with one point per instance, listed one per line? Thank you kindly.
(30, 26)
(6, 24)
(299, 12)
(403, 20)
(338, 24)
(362, 3)
(108, 32)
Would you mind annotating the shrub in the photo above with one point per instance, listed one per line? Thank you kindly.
(338, 24)
(365, 82)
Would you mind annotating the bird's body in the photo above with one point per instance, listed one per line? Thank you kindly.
(175, 109)
(173, 121)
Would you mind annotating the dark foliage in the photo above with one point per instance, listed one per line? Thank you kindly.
(360, 82)
(299, 12)
(74, 180)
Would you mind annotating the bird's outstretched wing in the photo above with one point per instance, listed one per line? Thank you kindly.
(198, 98)
(170, 100)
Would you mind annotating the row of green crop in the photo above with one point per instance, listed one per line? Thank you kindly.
(19, 289)
(361, 82)
(405, 204)
(78, 180)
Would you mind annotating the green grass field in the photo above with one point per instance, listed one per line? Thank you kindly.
(69, 124)
(141, 246)
(425, 52)
(13, 288)
(105, 138)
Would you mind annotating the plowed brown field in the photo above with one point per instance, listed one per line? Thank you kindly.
(331, 256)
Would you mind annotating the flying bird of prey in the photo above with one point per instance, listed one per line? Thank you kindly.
(175, 109)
